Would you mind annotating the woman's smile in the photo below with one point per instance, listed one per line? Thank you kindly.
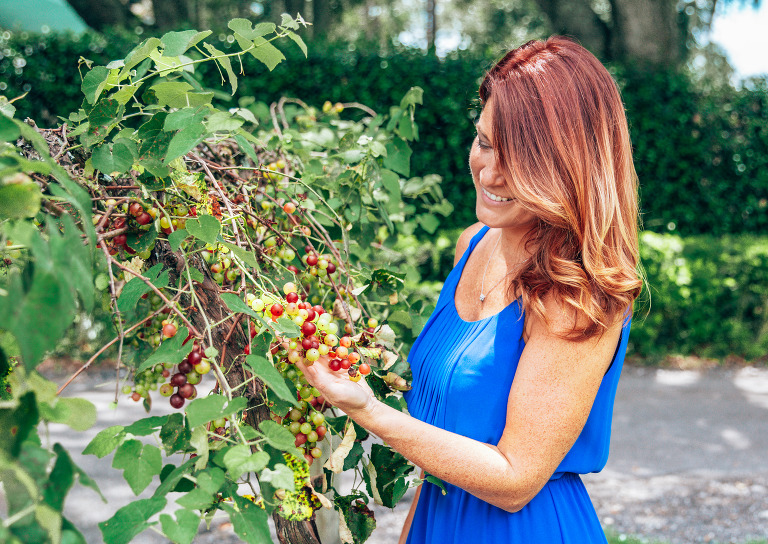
(495, 197)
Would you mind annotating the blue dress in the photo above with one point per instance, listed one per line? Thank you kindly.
(462, 374)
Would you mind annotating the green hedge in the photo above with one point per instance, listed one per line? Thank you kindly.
(708, 295)
(702, 157)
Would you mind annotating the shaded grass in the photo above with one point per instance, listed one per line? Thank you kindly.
(615, 538)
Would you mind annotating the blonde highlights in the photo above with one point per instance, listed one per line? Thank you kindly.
(561, 139)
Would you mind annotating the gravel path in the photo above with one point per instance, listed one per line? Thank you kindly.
(688, 462)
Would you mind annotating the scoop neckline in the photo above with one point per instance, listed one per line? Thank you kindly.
(462, 264)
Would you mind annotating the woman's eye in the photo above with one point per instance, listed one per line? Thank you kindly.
(482, 145)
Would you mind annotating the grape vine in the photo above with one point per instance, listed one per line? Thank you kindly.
(226, 243)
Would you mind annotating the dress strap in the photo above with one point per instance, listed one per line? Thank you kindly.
(447, 292)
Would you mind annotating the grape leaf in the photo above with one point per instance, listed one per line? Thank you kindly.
(105, 441)
(205, 409)
(172, 350)
(248, 520)
(280, 478)
(240, 459)
(398, 156)
(225, 63)
(130, 520)
(140, 462)
(246, 256)
(94, 83)
(174, 434)
(205, 228)
(135, 288)
(184, 141)
(266, 371)
(177, 43)
(209, 482)
(176, 238)
(112, 159)
(181, 530)
(146, 426)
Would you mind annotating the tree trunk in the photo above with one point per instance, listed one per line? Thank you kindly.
(170, 14)
(431, 24)
(99, 14)
(576, 19)
(292, 7)
(322, 16)
(230, 338)
(646, 31)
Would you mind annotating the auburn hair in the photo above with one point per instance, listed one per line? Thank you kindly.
(562, 142)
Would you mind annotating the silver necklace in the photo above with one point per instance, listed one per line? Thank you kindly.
(483, 294)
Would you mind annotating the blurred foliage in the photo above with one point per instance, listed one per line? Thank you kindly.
(708, 294)
(701, 149)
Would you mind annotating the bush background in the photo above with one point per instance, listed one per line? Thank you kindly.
(701, 153)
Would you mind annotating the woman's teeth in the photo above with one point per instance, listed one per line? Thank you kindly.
(494, 197)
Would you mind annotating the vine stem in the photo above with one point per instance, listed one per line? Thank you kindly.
(104, 348)
(120, 331)
(159, 293)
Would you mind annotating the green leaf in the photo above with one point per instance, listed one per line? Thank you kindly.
(9, 132)
(357, 517)
(134, 289)
(139, 53)
(147, 425)
(223, 121)
(176, 238)
(140, 462)
(174, 434)
(264, 51)
(398, 156)
(412, 97)
(205, 409)
(248, 521)
(77, 413)
(184, 141)
(112, 159)
(94, 83)
(209, 483)
(205, 228)
(124, 94)
(354, 456)
(172, 480)
(237, 305)
(248, 258)
(286, 327)
(429, 222)
(225, 63)
(130, 520)
(280, 478)
(179, 94)
(277, 436)
(172, 350)
(69, 253)
(177, 43)
(270, 376)
(19, 200)
(105, 441)
(142, 240)
(240, 459)
(181, 530)
(436, 481)
(296, 38)
(183, 118)
(390, 467)
(247, 148)
(245, 28)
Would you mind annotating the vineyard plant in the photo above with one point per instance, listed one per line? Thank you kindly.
(223, 240)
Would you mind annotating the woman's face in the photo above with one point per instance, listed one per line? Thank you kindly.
(496, 206)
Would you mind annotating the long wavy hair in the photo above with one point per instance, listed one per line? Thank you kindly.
(562, 142)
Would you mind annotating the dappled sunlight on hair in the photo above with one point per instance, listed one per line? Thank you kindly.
(562, 142)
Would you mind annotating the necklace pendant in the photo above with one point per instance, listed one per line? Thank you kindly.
(482, 297)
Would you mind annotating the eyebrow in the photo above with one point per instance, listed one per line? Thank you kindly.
(480, 132)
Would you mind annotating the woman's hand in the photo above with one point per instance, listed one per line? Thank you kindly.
(337, 388)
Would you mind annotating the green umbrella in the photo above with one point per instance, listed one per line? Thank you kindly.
(40, 16)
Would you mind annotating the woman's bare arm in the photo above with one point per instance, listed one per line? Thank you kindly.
(555, 385)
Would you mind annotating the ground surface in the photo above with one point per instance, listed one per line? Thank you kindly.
(687, 465)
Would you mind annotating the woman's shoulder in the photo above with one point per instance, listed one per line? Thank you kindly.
(464, 239)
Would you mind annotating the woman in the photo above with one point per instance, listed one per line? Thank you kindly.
(516, 370)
